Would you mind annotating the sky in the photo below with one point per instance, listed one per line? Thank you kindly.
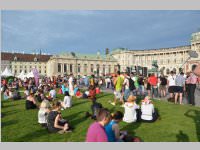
(89, 31)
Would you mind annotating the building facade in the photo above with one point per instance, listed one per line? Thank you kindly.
(26, 62)
(84, 64)
(167, 58)
(80, 64)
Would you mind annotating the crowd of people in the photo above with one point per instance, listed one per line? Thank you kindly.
(126, 88)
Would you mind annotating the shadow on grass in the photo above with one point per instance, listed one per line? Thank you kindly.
(79, 103)
(8, 123)
(33, 135)
(182, 137)
(196, 118)
(131, 127)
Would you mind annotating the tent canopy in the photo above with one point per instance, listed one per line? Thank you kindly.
(21, 75)
(7, 73)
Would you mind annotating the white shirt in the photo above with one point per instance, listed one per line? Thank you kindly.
(126, 83)
(171, 80)
(147, 111)
(42, 118)
(53, 93)
(67, 102)
(130, 114)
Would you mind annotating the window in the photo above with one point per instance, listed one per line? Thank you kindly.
(24, 71)
(104, 69)
(85, 68)
(98, 69)
(79, 68)
(59, 67)
(15, 71)
(109, 69)
(92, 68)
(174, 60)
(65, 67)
(71, 68)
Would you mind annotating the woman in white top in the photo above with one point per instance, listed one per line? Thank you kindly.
(42, 113)
(67, 100)
(130, 114)
(148, 113)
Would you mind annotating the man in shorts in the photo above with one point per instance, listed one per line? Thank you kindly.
(171, 84)
(180, 87)
(118, 83)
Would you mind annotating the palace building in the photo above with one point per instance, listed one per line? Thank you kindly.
(81, 64)
(167, 58)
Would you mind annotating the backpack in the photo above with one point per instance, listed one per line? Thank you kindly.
(131, 84)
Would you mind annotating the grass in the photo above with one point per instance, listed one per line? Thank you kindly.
(177, 122)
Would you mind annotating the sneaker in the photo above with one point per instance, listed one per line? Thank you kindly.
(113, 103)
(62, 109)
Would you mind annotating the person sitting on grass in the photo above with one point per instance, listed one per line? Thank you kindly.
(75, 89)
(43, 112)
(7, 94)
(52, 93)
(26, 92)
(79, 94)
(95, 107)
(16, 95)
(92, 92)
(55, 122)
(40, 96)
(148, 113)
(112, 128)
(130, 108)
(67, 103)
(96, 131)
(31, 102)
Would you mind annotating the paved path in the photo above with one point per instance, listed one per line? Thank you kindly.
(197, 95)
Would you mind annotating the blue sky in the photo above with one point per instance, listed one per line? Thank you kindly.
(89, 31)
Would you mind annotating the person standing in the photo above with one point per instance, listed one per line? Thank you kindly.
(163, 83)
(71, 85)
(118, 83)
(126, 84)
(154, 88)
(192, 81)
(180, 87)
(171, 84)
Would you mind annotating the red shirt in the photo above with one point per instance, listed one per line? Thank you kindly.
(153, 80)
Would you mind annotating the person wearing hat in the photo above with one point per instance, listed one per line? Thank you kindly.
(130, 108)
(148, 113)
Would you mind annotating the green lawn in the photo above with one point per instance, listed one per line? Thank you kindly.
(176, 123)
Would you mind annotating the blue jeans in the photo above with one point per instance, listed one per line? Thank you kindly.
(154, 91)
(126, 94)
